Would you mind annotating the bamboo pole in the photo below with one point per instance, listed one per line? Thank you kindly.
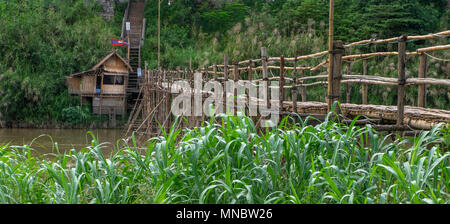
(225, 74)
(334, 77)
(159, 33)
(250, 71)
(250, 107)
(264, 59)
(347, 85)
(401, 78)
(364, 86)
(337, 68)
(282, 90)
(389, 53)
(421, 99)
(429, 36)
(303, 88)
(206, 73)
(303, 57)
(330, 97)
(294, 90)
(319, 65)
(422, 37)
(375, 80)
(215, 71)
(435, 48)
(236, 78)
(167, 108)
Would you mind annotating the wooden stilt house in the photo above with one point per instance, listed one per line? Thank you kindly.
(103, 86)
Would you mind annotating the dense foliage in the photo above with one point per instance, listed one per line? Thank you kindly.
(42, 41)
(230, 162)
(299, 27)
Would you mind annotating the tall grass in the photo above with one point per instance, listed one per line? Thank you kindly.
(227, 160)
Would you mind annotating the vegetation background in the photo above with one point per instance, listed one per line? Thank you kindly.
(42, 41)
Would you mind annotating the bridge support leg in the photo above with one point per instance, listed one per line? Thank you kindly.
(422, 95)
(334, 75)
(401, 78)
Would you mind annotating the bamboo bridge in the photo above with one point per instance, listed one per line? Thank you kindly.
(153, 109)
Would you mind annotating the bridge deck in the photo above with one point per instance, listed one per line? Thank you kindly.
(415, 117)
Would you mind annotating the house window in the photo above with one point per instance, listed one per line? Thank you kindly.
(113, 80)
(108, 80)
(119, 80)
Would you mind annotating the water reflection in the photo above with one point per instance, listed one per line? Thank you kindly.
(66, 139)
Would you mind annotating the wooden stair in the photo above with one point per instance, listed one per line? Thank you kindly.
(136, 19)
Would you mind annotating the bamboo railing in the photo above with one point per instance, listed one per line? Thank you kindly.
(297, 80)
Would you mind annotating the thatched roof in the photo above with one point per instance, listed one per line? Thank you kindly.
(97, 66)
(79, 74)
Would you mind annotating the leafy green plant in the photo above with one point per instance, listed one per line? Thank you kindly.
(227, 160)
(76, 114)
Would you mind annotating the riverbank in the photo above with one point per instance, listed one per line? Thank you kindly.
(61, 125)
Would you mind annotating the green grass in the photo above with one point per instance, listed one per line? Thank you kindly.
(229, 161)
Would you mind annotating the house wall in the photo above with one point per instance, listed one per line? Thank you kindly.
(108, 105)
(88, 84)
(74, 85)
(113, 89)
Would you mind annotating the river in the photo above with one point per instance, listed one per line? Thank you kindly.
(66, 139)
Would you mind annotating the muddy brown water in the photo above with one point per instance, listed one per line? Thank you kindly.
(66, 139)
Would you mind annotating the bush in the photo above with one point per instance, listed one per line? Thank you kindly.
(76, 114)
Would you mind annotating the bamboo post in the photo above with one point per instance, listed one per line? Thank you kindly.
(159, 33)
(129, 47)
(235, 70)
(191, 83)
(303, 88)
(347, 86)
(334, 78)
(236, 78)
(215, 71)
(149, 97)
(206, 73)
(364, 86)
(294, 89)
(250, 70)
(422, 95)
(401, 78)
(250, 78)
(167, 109)
(331, 55)
(225, 67)
(225, 75)
(206, 80)
(265, 74)
(155, 81)
(282, 90)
